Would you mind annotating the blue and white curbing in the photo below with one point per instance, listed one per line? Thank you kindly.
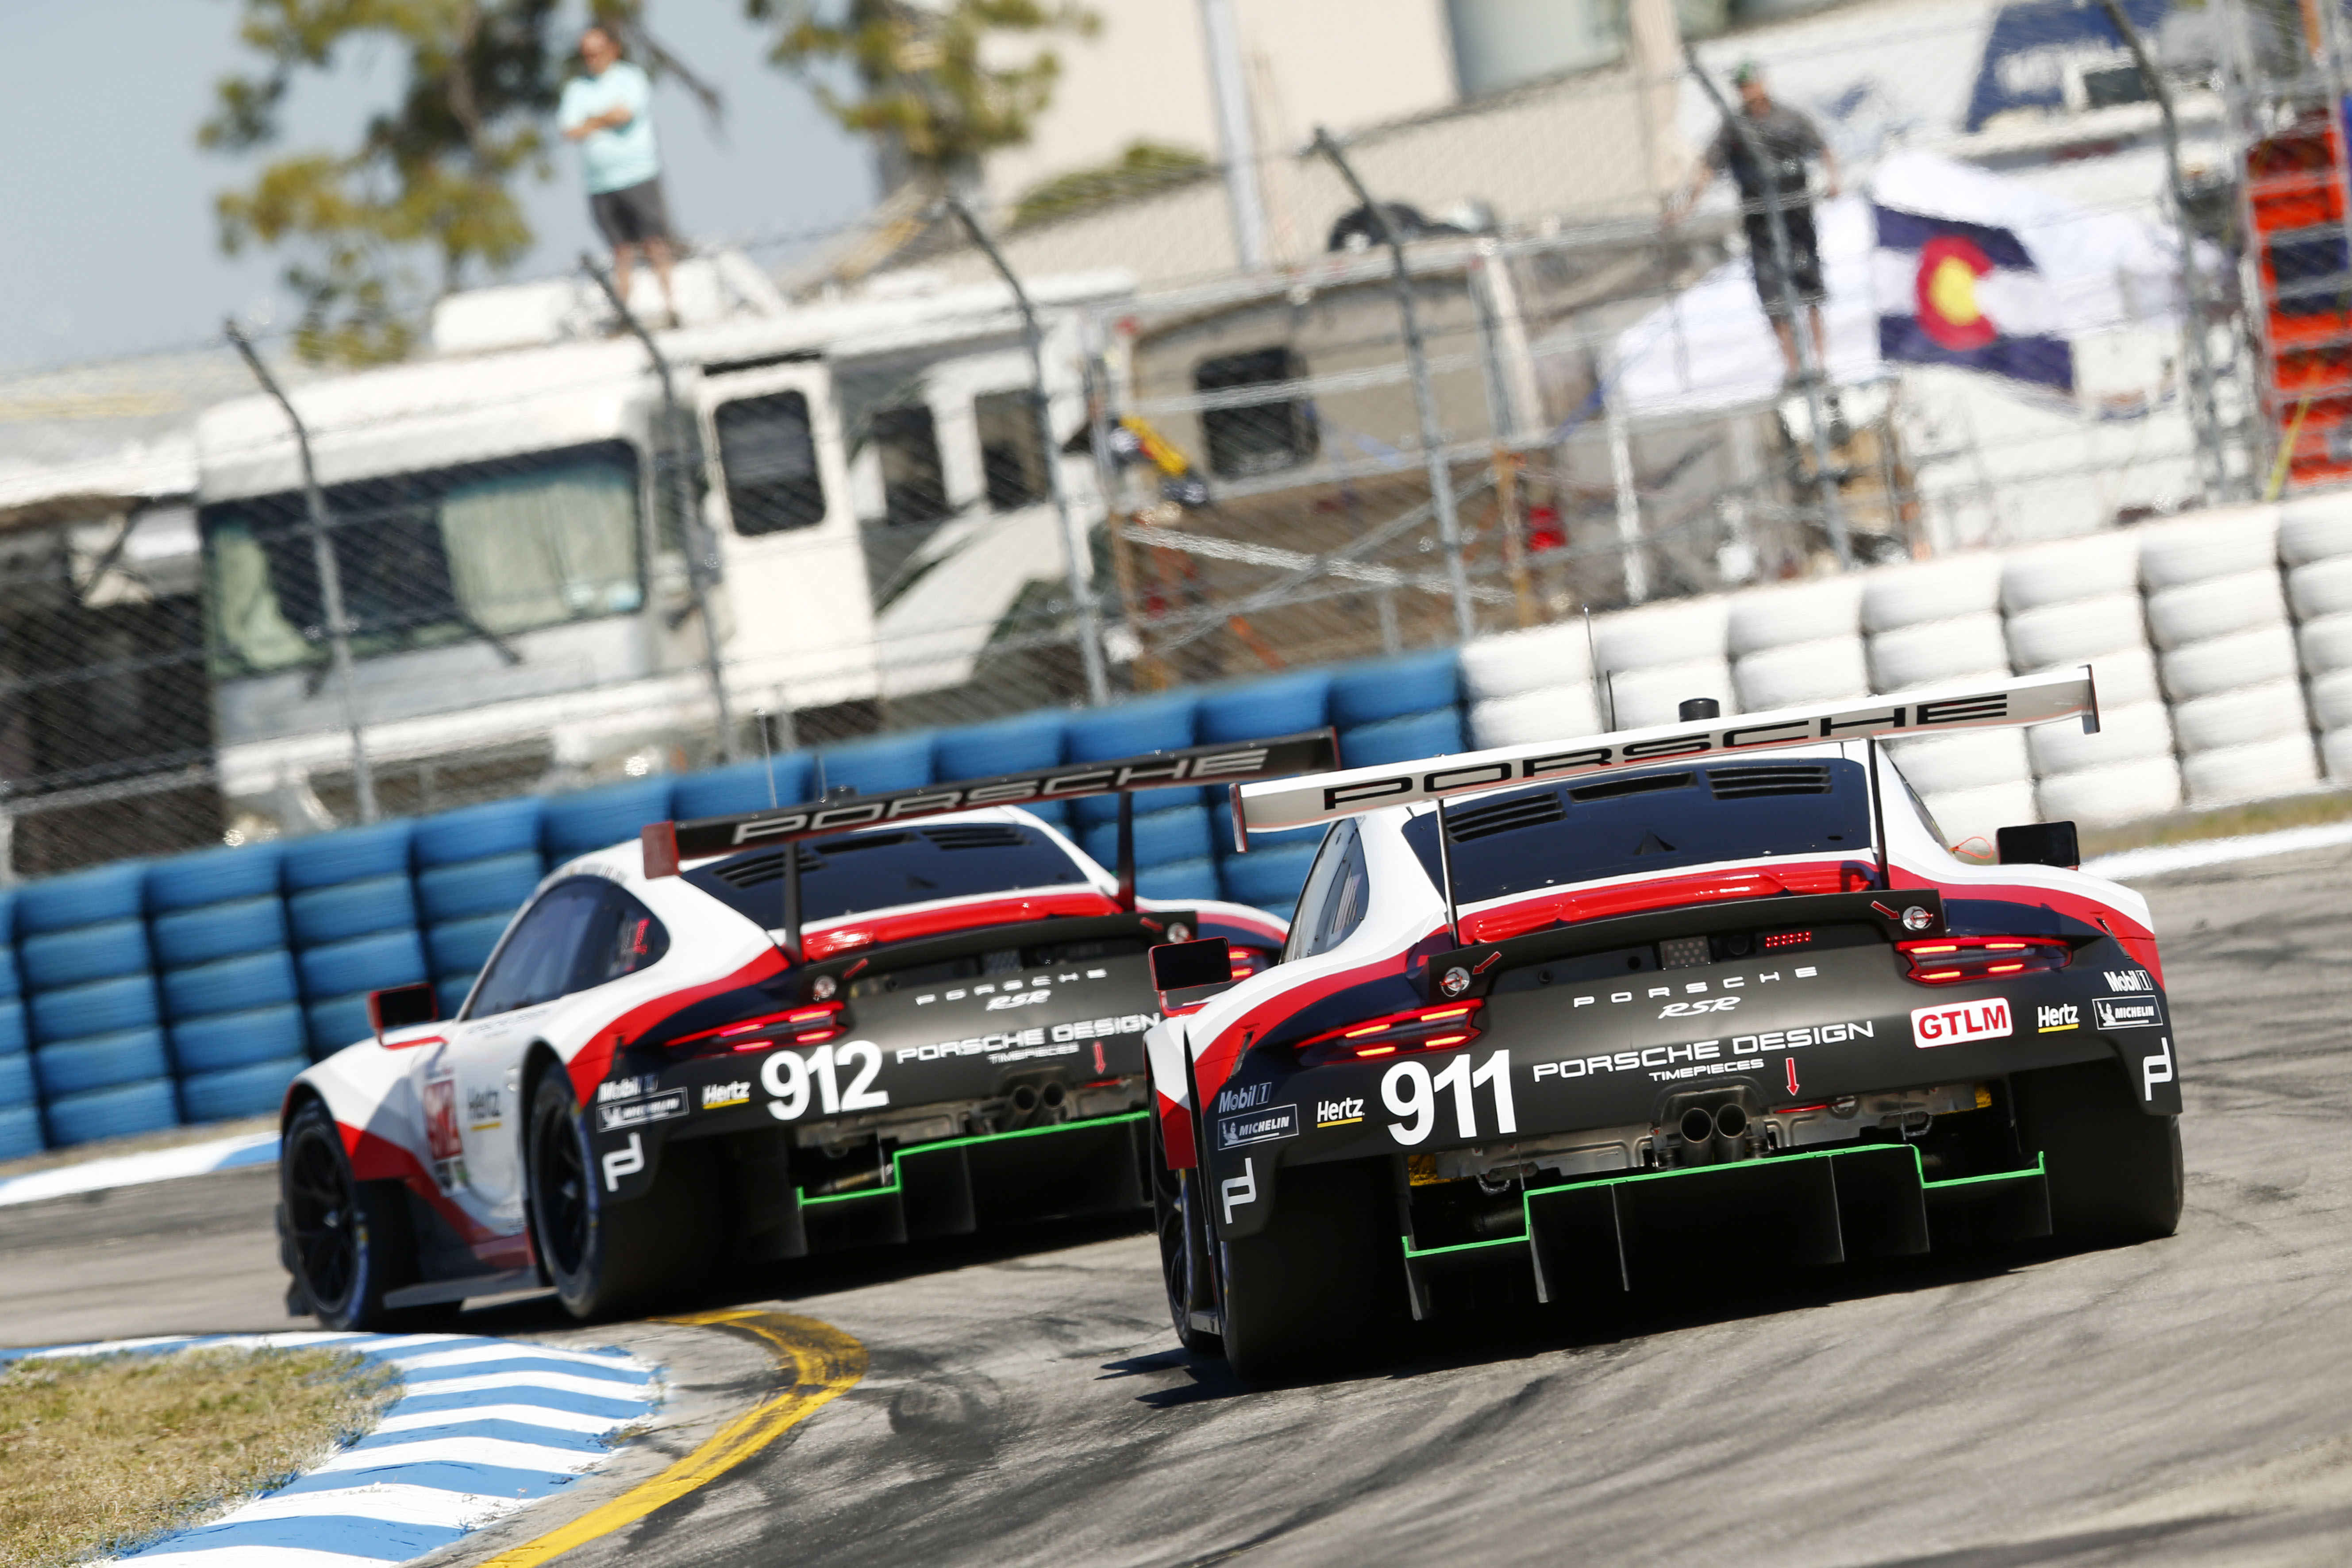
(131, 1170)
(483, 1427)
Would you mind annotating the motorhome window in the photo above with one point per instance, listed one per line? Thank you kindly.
(1012, 459)
(424, 558)
(770, 456)
(1526, 840)
(907, 441)
(1248, 438)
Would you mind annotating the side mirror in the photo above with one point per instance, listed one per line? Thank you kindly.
(2041, 844)
(1187, 974)
(402, 1007)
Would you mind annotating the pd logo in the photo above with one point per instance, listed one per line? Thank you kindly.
(1959, 1023)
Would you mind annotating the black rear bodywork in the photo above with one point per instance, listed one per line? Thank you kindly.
(1559, 1141)
(985, 1078)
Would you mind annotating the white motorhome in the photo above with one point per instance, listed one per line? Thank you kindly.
(871, 486)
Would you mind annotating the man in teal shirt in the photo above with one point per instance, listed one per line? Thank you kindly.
(606, 113)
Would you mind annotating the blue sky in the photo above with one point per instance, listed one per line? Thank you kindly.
(110, 200)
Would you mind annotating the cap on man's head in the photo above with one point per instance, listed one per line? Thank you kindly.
(1746, 72)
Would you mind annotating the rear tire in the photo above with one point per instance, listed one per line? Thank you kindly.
(1183, 1232)
(345, 1241)
(2115, 1172)
(1322, 1286)
(602, 1257)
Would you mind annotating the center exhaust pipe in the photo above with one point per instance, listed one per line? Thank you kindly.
(1715, 1135)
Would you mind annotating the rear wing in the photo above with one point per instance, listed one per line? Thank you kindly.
(667, 844)
(1265, 807)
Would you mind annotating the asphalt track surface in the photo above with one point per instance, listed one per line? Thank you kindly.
(2184, 1402)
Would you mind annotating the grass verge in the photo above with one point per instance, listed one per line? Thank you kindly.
(101, 1452)
(2186, 827)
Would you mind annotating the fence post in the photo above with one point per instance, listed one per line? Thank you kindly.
(1074, 544)
(331, 576)
(2208, 412)
(681, 442)
(1629, 504)
(1424, 397)
(1824, 487)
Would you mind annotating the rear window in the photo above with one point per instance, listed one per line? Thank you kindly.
(1534, 839)
(853, 873)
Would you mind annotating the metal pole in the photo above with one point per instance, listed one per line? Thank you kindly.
(1808, 370)
(1441, 482)
(1235, 131)
(699, 569)
(330, 577)
(1629, 504)
(2193, 295)
(1074, 543)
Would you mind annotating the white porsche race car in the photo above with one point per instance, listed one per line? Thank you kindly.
(1673, 1007)
(850, 1021)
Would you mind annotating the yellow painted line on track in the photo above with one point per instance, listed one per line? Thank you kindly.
(825, 1363)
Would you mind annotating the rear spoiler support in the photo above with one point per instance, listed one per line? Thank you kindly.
(667, 846)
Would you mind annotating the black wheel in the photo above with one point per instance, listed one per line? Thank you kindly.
(1322, 1286)
(345, 1241)
(603, 1256)
(2115, 1172)
(1183, 1249)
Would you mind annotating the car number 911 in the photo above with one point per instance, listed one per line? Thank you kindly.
(1410, 1091)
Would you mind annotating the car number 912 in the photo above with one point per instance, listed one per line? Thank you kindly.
(789, 1076)
(1410, 1091)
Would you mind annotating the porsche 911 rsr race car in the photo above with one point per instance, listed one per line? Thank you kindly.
(1649, 1007)
(856, 1021)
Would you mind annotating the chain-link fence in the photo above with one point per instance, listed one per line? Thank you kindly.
(1483, 372)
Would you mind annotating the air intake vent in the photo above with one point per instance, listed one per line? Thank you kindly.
(978, 835)
(1502, 817)
(751, 870)
(1643, 785)
(1745, 783)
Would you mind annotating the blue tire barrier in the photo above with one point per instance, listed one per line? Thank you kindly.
(119, 1112)
(1130, 729)
(77, 1067)
(479, 832)
(20, 1131)
(116, 892)
(730, 791)
(238, 1039)
(462, 947)
(322, 915)
(255, 1090)
(14, 1037)
(214, 877)
(337, 1022)
(496, 886)
(879, 766)
(1269, 878)
(1393, 687)
(348, 855)
(1279, 705)
(1002, 746)
(1404, 740)
(599, 818)
(16, 1082)
(101, 1008)
(1160, 836)
(56, 959)
(362, 964)
(1180, 879)
(199, 935)
(229, 985)
(453, 990)
(10, 985)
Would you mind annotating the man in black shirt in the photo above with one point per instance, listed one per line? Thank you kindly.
(1786, 140)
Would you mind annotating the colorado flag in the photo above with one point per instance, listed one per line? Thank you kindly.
(1965, 294)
